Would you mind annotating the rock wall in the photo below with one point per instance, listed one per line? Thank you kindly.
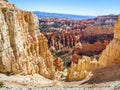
(23, 49)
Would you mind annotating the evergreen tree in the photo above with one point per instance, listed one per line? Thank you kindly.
(6, 0)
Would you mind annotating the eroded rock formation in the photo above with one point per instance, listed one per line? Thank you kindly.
(106, 68)
(58, 63)
(82, 69)
(59, 41)
(91, 34)
(23, 49)
(91, 49)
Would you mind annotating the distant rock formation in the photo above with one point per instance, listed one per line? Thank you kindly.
(91, 49)
(59, 41)
(23, 49)
(107, 20)
(93, 34)
(105, 69)
(64, 33)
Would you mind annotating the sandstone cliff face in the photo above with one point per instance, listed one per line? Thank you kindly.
(23, 49)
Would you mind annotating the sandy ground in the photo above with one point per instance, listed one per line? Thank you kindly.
(37, 82)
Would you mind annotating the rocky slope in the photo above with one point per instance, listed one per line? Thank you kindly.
(23, 49)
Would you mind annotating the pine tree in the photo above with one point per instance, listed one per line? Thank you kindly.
(6, 0)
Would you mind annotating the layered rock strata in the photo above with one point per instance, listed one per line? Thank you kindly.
(23, 49)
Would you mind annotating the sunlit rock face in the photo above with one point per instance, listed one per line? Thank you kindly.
(23, 49)
(82, 69)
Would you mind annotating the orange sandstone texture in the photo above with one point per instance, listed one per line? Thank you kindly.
(75, 58)
(61, 40)
(58, 63)
(91, 49)
(23, 49)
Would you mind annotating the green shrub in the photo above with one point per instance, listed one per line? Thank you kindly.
(56, 54)
(44, 28)
(1, 84)
(8, 73)
(56, 25)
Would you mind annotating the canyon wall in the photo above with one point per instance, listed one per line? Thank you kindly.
(23, 49)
